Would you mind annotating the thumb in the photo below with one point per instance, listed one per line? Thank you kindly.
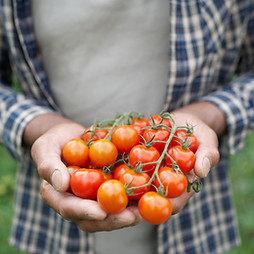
(206, 158)
(50, 166)
(60, 178)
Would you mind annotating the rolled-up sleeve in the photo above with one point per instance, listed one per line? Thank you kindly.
(236, 101)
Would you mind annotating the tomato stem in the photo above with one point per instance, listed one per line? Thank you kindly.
(158, 162)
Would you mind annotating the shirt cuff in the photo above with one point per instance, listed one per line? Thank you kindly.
(15, 121)
(236, 102)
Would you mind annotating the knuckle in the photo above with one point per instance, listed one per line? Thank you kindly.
(88, 226)
(63, 213)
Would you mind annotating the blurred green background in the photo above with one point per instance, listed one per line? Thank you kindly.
(241, 175)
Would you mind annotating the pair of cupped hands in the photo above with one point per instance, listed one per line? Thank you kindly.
(46, 135)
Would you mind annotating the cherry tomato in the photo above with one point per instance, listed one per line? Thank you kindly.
(107, 176)
(103, 153)
(184, 158)
(95, 135)
(174, 183)
(157, 135)
(192, 140)
(120, 170)
(84, 182)
(112, 197)
(124, 137)
(134, 179)
(142, 122)
(76, 152)
(142, 154)
(158, 120)
(139, 131)
(154, 208)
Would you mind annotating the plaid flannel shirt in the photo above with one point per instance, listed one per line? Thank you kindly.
(209, 42)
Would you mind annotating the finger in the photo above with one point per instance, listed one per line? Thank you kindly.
(46, 153)
(179, 202)
(49, 165)
(69, 206)
(207, 156)
(128, 217)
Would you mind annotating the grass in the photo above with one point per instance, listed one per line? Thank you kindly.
(241, 175)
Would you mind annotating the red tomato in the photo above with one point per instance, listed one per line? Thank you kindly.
(154, 208)
(124, 137)
(107, 176)
(183, 134)
(142, 122)
(95, 135)
(76, 152)
(112, 196)
(158, 120)
(184, 158)
(103, 153)
(174, 183)
(157, 135)
(134, 179)
(142, 154)
(120, 170)
(84, 182)
(139, 131)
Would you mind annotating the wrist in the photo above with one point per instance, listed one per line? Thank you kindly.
(207, 112)
(39, 125)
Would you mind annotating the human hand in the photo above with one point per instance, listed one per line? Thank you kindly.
(208, 122)
(46, 152)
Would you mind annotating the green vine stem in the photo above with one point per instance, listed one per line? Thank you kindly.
(158, 162)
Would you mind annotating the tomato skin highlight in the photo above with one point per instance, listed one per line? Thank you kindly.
(84, 183)
(135, 180)
(124, 137)
(142, 154)
(174, 183)
(154, 208)
(112, 197)
(103, 153)
(184, 158)
(76, 152)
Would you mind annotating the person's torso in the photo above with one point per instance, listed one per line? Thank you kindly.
(104, 57)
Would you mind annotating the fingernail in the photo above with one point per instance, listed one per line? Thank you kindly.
(57, 180)
(206, 165)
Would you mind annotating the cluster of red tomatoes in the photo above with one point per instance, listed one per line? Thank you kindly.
(135, 158)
